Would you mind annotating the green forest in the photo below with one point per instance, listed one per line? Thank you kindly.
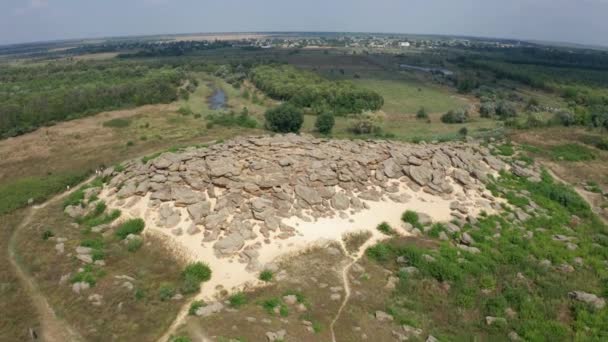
(34, 96)
(308, 90)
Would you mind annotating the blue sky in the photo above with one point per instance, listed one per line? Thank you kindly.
(578, 21)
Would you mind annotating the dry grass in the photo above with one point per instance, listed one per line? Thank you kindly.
(354, 241)
(125, 314)
(300, 280)
(18, 313)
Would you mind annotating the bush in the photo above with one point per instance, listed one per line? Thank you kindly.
(47, 235)
(487, 109)
(185, 110)
(422, 114)
(385, 228)
(198, 270)
(266, 275)
(190, 284)
(463, 131)
(325, 123)
(379, 252)
(237, 300)
(411, 217)
(455, 116)
(181, 339)
(506, 110)
(133, 226)
(285, 118)
(365, 126)
(197, 304)
(565, 118)
(166, 292)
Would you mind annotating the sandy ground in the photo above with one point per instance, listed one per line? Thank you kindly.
(232, 275)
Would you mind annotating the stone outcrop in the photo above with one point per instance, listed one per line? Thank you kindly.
(231, 192)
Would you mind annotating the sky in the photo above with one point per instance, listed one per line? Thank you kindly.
(574, 21)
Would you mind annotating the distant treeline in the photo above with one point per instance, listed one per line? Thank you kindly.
(309, 90)
(35, 96)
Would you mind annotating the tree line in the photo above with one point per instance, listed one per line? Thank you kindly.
(307, 90)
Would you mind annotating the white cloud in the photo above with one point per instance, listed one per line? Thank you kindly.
(32, 5)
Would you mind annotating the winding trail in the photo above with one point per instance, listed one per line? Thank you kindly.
(345, 273)
(52, 327)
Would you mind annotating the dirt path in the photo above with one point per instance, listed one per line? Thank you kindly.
(52, 327)
(345, 273)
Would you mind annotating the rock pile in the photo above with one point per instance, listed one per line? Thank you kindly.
(232, 192)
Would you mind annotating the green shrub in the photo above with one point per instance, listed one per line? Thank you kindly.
(166, 292)
(198, 270)
(564, 118)
(463, 131)
(455, 116)
(325, 123)
(385, 228)
(285, 118)
(422, 114)
(237, 300)
(487, 109)
(506, 110)
(504, 150)
(185, 110)
(379, 252)
(197, 304)
(190, 284)
(270, 304)
(47, 235)
(181, 339)
(266, 275)
(130, 143)
(365, 126)
(411, 217)
(132, 226)
(117, 123)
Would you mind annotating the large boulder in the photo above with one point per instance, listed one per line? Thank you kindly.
(229, 245)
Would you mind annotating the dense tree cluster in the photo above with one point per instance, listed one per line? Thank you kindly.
(34, 96)
(285, 118)
(308, 90)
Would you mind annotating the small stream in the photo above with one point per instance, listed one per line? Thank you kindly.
(218, 99)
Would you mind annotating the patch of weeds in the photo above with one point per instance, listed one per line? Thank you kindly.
(166, 292)
(380, 252)
(134, 245)
(119, 168)
(139, 294)
(266, 275)
(283, 310)
(117, 123)
(198, 270)
(593, 187)
(101, 219)
(88, 275)
(504, 150)
(130, 143)
(270, 304)
(317, 327)
(572, 152)
(193, 275)
(197, 304)
(518, 201)
(412, 218)
(385, 229)
(47, 235)
(237, 300)
(132, 226)
(435, 230)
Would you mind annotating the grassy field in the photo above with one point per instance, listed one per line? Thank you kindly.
(407, 96)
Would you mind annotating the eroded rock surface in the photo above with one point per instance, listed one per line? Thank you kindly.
(233, 192)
